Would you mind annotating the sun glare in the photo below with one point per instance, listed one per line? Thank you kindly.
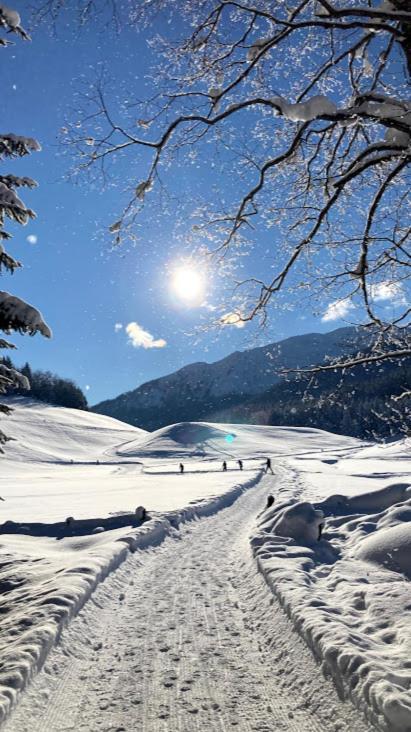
(188, 284)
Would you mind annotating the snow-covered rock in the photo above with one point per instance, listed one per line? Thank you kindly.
(300, 521)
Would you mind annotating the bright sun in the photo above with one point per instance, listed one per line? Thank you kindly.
(188, 284)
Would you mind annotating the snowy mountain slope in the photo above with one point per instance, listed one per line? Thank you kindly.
(43, 433)
(188, 393)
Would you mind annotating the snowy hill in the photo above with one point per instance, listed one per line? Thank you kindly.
(202, 440)
(196, 390)
(43, 433)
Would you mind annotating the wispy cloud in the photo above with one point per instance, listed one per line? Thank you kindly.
(337, 310)
(388, 291)
(140, 338)
(118, 326)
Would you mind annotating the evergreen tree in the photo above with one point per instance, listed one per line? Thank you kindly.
(15, 314)
(47, 387)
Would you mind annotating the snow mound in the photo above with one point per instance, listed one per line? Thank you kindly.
(369, 502)
(182, 439)
(190, 433)
(390, 548)
(200, 439)
(399, 450)
(300, 521)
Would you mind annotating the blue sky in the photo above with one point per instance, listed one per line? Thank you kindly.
(83, 289)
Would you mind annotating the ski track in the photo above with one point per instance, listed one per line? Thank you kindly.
(186, 637)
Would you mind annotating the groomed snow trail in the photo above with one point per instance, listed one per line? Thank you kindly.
(185, 637)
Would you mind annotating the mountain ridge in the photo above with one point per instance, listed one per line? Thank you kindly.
(195, 389)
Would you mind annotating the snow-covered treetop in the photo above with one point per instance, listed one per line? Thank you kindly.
(12, 145)
(10, 20)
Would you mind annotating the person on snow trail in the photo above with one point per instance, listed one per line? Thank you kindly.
(268, 466)
(224, 466)
(181, 468)
(240, 464)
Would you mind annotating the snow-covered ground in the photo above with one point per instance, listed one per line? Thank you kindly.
(347, 595)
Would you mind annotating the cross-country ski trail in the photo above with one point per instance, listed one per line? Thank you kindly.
(186, 637)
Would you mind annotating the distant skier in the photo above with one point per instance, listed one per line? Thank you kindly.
(224, 466)
(240, 464)
(268, 466)
(181, 468)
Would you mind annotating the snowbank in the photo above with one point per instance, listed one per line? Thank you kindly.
(348, 594)
(390, 548)
(50, 493)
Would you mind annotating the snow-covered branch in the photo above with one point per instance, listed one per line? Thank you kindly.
(306, 106)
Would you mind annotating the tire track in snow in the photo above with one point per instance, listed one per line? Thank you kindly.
(185, 637)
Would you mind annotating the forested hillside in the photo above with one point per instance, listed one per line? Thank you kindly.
(363, 403)
(48, 387)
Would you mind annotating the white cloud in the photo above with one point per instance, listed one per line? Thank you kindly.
(117, 327)
(233, 319)
(337, 310)
(32, 239)
(388, 291)
(87, 387)
(140, 338)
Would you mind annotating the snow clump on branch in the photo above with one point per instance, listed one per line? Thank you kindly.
(313, 108)
(17, 315)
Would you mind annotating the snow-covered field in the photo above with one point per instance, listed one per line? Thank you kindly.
(348, 595)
